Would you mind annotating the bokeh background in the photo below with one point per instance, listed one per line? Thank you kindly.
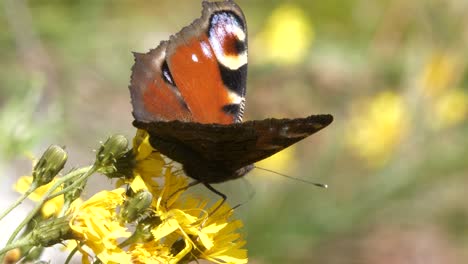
(392, 72)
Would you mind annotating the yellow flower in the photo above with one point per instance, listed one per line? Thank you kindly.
(95, 223)
(377, 126)
(439, 73)
(151, 252)
(450, 108)
(169, 225)
(149, 162)
(447, 105)
(218, 240)
(184, 218)
(51, 207)
(287, 37)
(182, 228)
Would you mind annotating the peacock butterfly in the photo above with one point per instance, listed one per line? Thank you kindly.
(189, 94)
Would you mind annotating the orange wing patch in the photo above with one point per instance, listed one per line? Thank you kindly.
(162, 101)
(196, 73)
(154, 99)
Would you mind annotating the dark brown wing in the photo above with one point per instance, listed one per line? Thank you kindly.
(235, 145)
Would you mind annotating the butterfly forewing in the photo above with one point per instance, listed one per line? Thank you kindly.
(199, 75)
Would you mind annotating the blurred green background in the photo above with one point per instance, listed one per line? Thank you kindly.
(392, 72)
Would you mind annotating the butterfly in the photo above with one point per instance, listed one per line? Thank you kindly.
(189, 94)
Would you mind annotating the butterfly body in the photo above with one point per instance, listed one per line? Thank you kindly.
(189, 94)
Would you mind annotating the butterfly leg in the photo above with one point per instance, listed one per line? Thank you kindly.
(223, 196)
(180, 190)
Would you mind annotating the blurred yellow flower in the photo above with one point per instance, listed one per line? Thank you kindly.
(377, 127)
(283, 161)
(447, 105)
(450, 108)
(439, 73)
(287, 36)
(51, 207)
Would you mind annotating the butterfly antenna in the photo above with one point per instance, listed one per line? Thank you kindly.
(321, 185)
(251, 193)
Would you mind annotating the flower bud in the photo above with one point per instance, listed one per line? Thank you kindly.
(136, 206)
(74, 193)
(49, 165)
(142, 232)
(114, 148)
(143, 229)
(46, 233)
(51, 231)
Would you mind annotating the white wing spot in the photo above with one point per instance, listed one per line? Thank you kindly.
(194, 58)
(285, 132)
(234, 98)
(206, 49)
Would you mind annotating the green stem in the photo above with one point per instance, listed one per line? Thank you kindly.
(87, 171)
(132, 239)
(65, 207)
(71, 186)
(72, 253)
(31, 189)
(18, 244)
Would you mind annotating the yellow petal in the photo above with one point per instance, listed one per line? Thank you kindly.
(214, 228)
(206, 240)
(165, 228)
(138, 184)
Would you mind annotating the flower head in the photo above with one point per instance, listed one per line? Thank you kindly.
(287, 35)
(450, 108)
(447, 104)
(171, 225)
(95, 223)
(148, 162)
(439, 73)
(152, 252)
(377, 127)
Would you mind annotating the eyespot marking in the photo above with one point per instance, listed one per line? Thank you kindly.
(228, 39)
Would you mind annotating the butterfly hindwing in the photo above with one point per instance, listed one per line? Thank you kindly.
(199, 75)
(229, 147)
